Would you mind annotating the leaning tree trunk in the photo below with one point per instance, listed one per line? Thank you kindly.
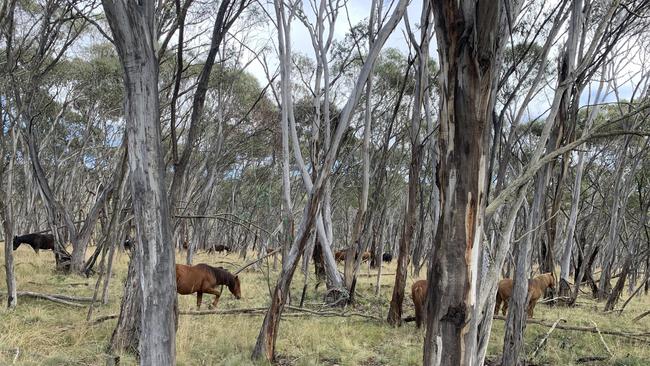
(468, 44)
(132, 25)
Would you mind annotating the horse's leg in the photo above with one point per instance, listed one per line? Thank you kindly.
(531, 306)
(497, 305)
(199, 299)
(216, 294)
(505, 306)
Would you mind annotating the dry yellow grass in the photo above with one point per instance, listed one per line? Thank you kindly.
(45, 333)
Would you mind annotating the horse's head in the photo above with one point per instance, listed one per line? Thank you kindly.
(16, 242)
(550, 280)
(235, 288)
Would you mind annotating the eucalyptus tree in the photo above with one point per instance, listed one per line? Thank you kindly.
(265, 344)
(133, 28)
(421, 47)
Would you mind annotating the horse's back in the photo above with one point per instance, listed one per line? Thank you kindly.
(188, 279)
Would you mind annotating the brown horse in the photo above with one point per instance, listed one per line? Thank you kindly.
(203, 278)
(536, 288)
(340, 255)
(36, 241)
(365, 256)
(419, 296)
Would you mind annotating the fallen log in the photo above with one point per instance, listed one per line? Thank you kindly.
(643, 315)
(548, 334)
(641, 337)
(58, 296)
(292, 311)
(591, 359)
(50, 298)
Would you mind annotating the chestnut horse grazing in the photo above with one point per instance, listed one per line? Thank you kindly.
(203, 278)
(36, 241)
(536, 288)
(419, 296)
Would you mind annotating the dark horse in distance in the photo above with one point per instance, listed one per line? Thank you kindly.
(203, 278)
(36, 241)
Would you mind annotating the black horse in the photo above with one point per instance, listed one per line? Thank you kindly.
(221, 248)
(36, 241)
(387, 257)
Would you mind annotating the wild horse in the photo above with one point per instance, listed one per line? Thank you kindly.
(203, 278)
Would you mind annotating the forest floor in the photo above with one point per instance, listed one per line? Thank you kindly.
(40, 332)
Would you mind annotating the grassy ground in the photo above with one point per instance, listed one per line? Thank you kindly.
(45, 333)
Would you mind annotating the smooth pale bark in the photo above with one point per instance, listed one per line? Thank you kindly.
(513, 340)
(132, 25)
(468, 44)
(284, 50)
(604, 284)
(351, 260)
(565, 261)
(265, 344)
(410, 220)
(8, 227)
(321, 46)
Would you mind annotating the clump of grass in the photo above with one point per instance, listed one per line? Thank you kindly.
(50, 334)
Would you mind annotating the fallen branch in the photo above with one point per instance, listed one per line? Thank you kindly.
(333, 313)
(292, 311)
(602, 339)
(58, 296)
(548, 334)
(635, 336)
(104, 318)
(256, 260)
(59, 284)
(49, 297)
(591, 359)
(545, 301)
(374, 274)
(643, 315)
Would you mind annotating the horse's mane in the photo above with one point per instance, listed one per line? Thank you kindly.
(222, 275)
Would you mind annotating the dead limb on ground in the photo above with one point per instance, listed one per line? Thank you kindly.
(290, 311)
(641, 337)
(58, 298)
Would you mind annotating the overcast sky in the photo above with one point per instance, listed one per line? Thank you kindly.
(357, 10)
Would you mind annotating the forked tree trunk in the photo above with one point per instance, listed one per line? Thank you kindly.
(468, 44)
(265, 344)
(132, 25)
